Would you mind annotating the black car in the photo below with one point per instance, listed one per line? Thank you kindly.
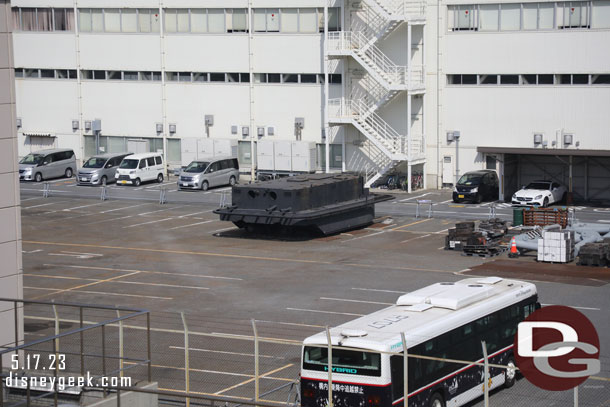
(476, 186)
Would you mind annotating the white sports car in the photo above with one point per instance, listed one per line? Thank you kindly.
(540, 193)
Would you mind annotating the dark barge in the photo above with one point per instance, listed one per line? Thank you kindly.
(329, 203)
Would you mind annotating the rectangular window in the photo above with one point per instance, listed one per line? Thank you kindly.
(47, 73)
(217, 77)
(97, 20)
(600, 15)
(99, 75)
(510, 17)
(334, 19)
(601, 79)
(84, 20)
(244, 77)
(290, 20)
(529, 79)
(16, 12)
(334, 78)
(580, 79)
(545, 79)
(129, 20)
(565, 79)
(216, 20)
(259, 18)
(273, 20)
(273, 78)
(86, 74)
(18, 72)
(45, 19)
(199, 20)
(240, 20)
(155, 21)
(308, 78)
(112, 20)
(546, 12)
(171, 76)
(170, 21)
(509, 79)
(146, 76)
(465, 19)
(364, 363)
(307, 20)
(469, 79)
(62, 73)
(290, 78)
(200, 77)
(489, 79)
(260, 78)
(488, 17)
(114, 75)
(183, 20)
(60, 19)
(156, 76)
(184, 77)
(144, 20)
(575, 14)
(130, 76)
(28, 19)
(233, 77)
(174, 152)
(530, 16)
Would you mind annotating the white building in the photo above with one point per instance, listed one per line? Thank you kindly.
(378, 86)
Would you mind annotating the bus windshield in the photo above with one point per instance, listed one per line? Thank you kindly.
(344, 361)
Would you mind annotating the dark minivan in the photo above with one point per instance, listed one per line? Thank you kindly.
(477, 186)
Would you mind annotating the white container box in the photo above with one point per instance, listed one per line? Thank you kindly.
(265, 155)
(283, 155)
(303, 156)
(225, 147)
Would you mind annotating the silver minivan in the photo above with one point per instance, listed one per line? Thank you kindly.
(203, 174)
(100, 169)
(45, 164)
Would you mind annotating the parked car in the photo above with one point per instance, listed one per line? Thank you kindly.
(46, 164)
(540, 193)
(203, 174)
(138, 168)
(100, 169)
(477, 186)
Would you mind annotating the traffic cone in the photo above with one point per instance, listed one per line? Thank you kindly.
(514, 253)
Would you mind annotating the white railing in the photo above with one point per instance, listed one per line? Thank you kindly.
(357, 43)
(402, 7)
(417, 77)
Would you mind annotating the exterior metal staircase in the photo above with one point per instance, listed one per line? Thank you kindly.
(383, 81)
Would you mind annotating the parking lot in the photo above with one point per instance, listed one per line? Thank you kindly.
(178, 257)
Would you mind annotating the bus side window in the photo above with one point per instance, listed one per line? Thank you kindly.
(398, 377)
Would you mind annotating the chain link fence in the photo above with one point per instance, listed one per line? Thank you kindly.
(195, 361)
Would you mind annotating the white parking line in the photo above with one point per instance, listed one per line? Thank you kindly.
(83, 206)
(573, 306)
(362, 237)
(142, 271)
(160, 210)
(126, 207)
(290, 323)
(100, 292)
(38, 206)
(377, 290)
(192, 224)
(147, 223)
(325, 312)
(415, 197)
(359, 301)
(225, 352)
(415, 238)
(29, 199)
(224, 230)
(193, 214)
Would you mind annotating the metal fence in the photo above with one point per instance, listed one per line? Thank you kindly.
(195, 362)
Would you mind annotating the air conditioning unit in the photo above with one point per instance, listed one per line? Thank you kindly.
(537, 139)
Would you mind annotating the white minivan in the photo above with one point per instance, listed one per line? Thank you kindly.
(138, 168)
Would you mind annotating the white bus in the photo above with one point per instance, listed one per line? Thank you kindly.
(443, 320)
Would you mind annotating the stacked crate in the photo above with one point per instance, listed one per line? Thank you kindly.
(458, 237)
(556, 247)
(594, 254)
(545, 216)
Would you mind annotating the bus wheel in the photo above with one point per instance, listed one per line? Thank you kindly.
(437, 401)
(510, 374)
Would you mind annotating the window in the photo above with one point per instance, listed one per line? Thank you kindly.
(43, 19)
(273, 78)
(129, 20)
(240, 20)
(579, 79)
(510, 17)
(335, 78)
(545, 79)
(142, 163)
(575, 15)
(244, 78)
(184, 77)
(130, 76)
(233, 77)
(183, 25)
(259, 18)
(600, 79)
(47, 73)
(461, 79)
(334, 19)
(112, 20)
(308, 78)
(150, 161)
(200, 77)
(273, 20)
(488, 17)
(171, 76)
(462, 18)
(600, 14)
(530, 16)
(308, 20)
(97, 20)
(290, 20)
(170, 21)
(290, 78)
(158, 160)
(31, 73)
(217, 77)
(529, 79)
(113, 75)
(545, 16)
(489, 79)
(216, 20)
(199, 21)
(509, 79)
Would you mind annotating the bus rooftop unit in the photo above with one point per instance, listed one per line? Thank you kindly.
(329, 203)
(443, 320)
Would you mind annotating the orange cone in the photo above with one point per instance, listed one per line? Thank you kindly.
(513, 249)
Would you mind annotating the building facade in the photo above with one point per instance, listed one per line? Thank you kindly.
(11, 272)
(376, 86)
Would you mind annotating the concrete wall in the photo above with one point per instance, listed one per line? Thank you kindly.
(11, 272)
